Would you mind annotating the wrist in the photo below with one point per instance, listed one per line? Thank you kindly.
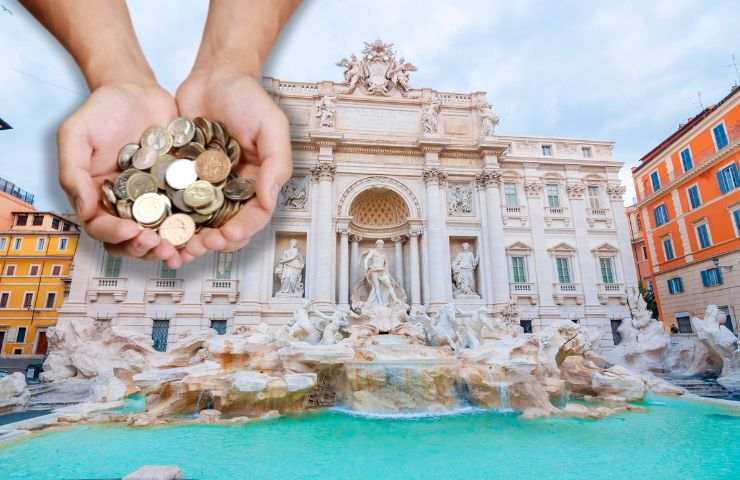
(215, 61)
(114, 68)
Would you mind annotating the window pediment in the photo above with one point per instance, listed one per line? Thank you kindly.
(518, 248)
(562, 249)
(605, 249)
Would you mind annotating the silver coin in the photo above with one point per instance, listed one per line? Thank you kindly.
(144, 158)
(157, 138)
(180, 174)
(182, 131)
(149, 208)
(126, 154)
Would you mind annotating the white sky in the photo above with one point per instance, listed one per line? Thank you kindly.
(623, 71)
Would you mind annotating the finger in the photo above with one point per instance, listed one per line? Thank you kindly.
(252, 218)
(214, 240)
(138, 247)
(75, 153)
(174, 262)
(273, 147)
(186, 257)
(165, 250)
(195, 246)
(109, 229)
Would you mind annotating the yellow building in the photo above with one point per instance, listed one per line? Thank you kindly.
(36, 256)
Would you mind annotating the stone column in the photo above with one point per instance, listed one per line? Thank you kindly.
(540, 269)
(437, 239)
(575, 191)
(493, 234)
(343, 282)
(354, 267)
(414, 270)
(615, 192)
(398, 248)
(325, 236)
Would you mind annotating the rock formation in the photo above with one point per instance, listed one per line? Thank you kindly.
(13, 392)
(720, 343)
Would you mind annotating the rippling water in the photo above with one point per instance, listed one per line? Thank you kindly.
(675, 440)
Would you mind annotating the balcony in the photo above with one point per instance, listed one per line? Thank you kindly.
(219, 287)
(595, 216)
(605, 291)
(563, 291)
(524, 290)
(557, 214)
(516, 215)
(114, 286)
(172, 287)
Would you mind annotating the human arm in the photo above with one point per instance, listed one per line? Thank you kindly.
(125, 99)
(224, 84)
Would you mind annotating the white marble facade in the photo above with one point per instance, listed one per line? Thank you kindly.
(425, 171)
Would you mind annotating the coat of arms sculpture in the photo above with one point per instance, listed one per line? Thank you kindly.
(378, 71)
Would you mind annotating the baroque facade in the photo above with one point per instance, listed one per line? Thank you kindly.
(530, 224)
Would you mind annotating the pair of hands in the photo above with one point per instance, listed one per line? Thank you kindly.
(118, 113)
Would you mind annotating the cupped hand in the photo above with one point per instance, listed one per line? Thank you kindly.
(242, 105)
(89, 141)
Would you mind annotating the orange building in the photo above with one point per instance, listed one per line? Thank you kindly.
(12, 199)
(688, 211)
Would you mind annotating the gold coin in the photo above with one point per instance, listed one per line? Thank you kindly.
(177, 229)
(140, 183)
(149, 208)
(157, 138)
(212, 207)
(239, 189)
(191, 150)
(199, 194)
(213, 166)
(177, 199)
(205, 126)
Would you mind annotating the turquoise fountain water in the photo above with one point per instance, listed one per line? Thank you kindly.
(675, 440)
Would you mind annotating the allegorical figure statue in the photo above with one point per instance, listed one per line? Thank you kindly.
(325, 110)
(463, 271)
(290, 270)
(488, 120)
(376, 273)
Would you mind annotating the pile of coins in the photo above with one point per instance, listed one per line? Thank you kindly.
(179, 179)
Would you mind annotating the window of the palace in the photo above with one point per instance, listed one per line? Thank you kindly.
(735, 213)
(655, 180)
(167, 272)
(9, 270)
(160, 331)
(593, 196)
(21, 335)
(683, 321)
(526, 325)
(607, 269)
(729, 321)
(3, 242)
(18, 351)
(51, 298)
(644, 252)
(63, 243)
(219, 326)
(21, 220)
(720, 136)
(694, 198)
(67, 227)
(519, 269)
(728, 178)
(661, 215)
(28, 300)
(4, 299)
(55, 223)
(587, 152)
(56, 270)
(17, 243)
(616, 336)
(711, 277)
(38, 220)
(224, 261)
(675, 285)
(510, 194)
(33, 270)
(112, 267)
(668, 248)
(563, 267)
(650, 285)
(686, 161)
(40, 242)
(702, 234)
(547, 150)
(553, 195)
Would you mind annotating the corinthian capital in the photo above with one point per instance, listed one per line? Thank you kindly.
(434, 175)
(575, 190)
(488, 178)
(615, 191)
(533, 188)
(324, 170)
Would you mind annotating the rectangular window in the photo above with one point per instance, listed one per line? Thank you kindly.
(33, 270)
(519, 269)
(644, 252)
(655, 180)
(694, 200)
(40, 242)
(553, 195)
(728, 178)
(675, 285)
(38, 220)
(711, 277)
(219, 326)
(587, 152)
(686, 160)
(51, 298)
(17, 351)
(607, 269)
(563, 266)
(547, 150)
(21, 337)
(167, 272)
(67, 227)
(10, 270)
(223, 265)
(512, 200)
(720, 136)
(17, 243)
(28, 300)
(4, 299)
(661, 215)
(616, 336)
(21, 220)
(593, 196)
(62, 244)
(112, 268)
(702, 234)
(3, 242)
(668, 248)
(55, 223)
(160, 332)
(526, 325)
(736, 221)
(56, 270)
(684, 324)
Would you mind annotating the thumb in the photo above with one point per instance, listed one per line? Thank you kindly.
(75, 155)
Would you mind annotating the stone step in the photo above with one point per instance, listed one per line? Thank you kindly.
(703, 387)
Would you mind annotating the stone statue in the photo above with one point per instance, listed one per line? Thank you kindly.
(353, 71)
(713, 333)
(463, 272)
(430, 118)
(303, 328)
(488, 120)
(378, 71)
(325, 110)
(290, 271)
(472, 326)
(460, 200)
(293, 194)
(337, 325)
(399, 74)
(382, 291)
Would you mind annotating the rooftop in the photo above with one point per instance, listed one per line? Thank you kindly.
(12, 189)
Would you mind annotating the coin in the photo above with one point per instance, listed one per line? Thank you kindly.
(144, 158)
(157, 138)
(205, 126)
(119, 186)
(213, 166)
(126, 154)
(234, 151)
(177, 200)
(212, 207)
(123, 208)
(239, 188)
(159, 169)
(177, 229)
(199, 137)
(198, 218)
(199, 194)
(219, 133)
(180, 174)
(109, 194)
(191, 150)
(148, 208)
(182, 131)
(140, 183)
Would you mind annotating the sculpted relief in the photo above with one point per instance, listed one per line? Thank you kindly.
(460, 200)
(293, 194)
(378, 71)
